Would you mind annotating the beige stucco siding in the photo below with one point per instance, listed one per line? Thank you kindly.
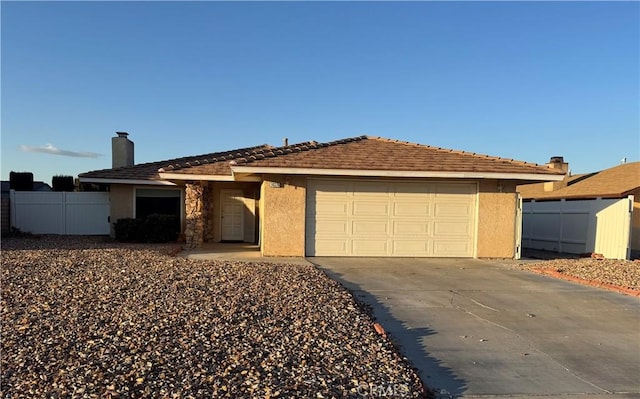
(121, 203)
(496, 219)
(121, 197)
(283, 220)
(283, 215)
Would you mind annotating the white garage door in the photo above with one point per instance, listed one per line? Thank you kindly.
(384, 218)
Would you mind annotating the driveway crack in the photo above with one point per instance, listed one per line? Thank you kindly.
(529, 343)
(475, 315)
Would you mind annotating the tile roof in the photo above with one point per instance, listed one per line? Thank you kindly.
(614, 182)
(374, 153)
(219, 162)
(357, 153)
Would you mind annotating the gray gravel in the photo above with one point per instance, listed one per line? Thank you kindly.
(621, 273)
(88, 318)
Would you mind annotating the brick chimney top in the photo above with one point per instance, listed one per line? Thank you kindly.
(556, 160)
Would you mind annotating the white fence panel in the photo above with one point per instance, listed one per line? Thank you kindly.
(37, 212)
(87, 213)
(583, 226)
(613, 238)
(60, 212)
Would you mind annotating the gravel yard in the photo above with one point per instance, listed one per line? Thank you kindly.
(619, 273)
(86, 317)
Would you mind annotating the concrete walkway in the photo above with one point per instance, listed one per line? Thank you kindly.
(239, 252)
(478, 328)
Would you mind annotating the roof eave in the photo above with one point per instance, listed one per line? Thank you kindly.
(205, 177)
(397, 173)
(577, 197)
(100, 180)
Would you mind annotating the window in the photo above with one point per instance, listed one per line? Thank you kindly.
(150, 201)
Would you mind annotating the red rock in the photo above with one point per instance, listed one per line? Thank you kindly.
(379, 329)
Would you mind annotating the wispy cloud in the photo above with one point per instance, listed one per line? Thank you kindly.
(50, 149)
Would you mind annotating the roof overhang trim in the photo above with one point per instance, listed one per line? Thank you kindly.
(186, 176)
(578, 197)
(396, 173)
(97, 180)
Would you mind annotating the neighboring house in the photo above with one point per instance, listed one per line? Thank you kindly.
(361, 196)
(595, 212)
(37, 186)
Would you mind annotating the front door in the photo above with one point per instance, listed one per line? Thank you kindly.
(232, 215)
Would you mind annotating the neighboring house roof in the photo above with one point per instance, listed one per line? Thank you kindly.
(358, 153)
(615, 182)
(37, 186)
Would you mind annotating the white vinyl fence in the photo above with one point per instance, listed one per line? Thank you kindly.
(579, 226)
(84, 213)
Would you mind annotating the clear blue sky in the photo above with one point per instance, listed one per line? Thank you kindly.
(523, 80)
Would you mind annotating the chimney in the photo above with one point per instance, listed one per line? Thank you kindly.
(121, 150)
(286, 141)
(559, 164)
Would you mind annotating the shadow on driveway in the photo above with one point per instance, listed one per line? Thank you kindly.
(483, 328)
(409, 340)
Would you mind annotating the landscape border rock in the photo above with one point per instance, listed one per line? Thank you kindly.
(617, 275)
(592, 283)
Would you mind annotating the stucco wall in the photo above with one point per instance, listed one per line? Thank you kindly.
(283, 220)
(121, 197)
(635, 223)
(249, 191)
(283, 215)
(496, 219)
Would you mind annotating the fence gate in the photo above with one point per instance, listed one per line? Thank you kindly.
(579, 226)
(84, 213)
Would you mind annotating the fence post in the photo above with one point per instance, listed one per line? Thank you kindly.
(561, 232)
(64, 212)
(12, 209)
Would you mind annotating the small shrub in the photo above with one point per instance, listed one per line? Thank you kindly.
(17, 233)
(154, 228)
(127, 229)
(160, 228)
(21, 181)
(62, 183)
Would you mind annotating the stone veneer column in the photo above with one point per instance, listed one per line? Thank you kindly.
(194, 227)
(207, 211)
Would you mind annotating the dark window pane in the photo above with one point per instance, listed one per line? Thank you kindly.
(146, 206)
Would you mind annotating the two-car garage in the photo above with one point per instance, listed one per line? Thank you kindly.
(390, 218)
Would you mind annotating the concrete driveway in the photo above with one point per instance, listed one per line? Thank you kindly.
(480, 328)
